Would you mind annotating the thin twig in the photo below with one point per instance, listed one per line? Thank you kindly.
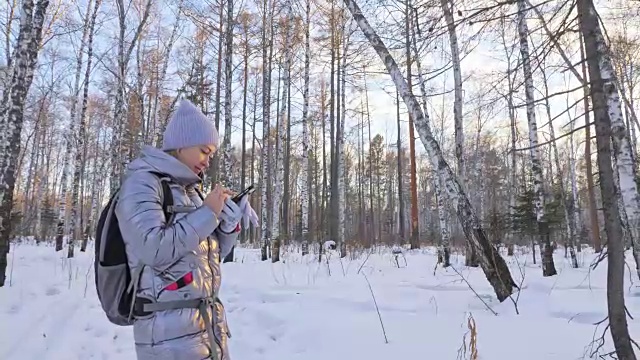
(365, 260)
(386, 341)
(470, 287)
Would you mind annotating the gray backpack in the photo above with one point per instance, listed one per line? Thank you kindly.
(115, 284)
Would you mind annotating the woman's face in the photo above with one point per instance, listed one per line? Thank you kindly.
(196, 157)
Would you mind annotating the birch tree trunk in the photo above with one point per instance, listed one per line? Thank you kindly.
(567, 206)
(446, 5)
(492, 263)
(415, 224)
(607, 117)
(158, 122)
(282, 136)
(548, 266)
(445, 235)
(340, 142)
(76, 204)
(75, 142)
(608, 97)
(226, 173)
(12, 117)
(443, 219)
(574, 189)
(305, 189)
(594, 231)
(120, 149)
(213, 172)
(266, 143)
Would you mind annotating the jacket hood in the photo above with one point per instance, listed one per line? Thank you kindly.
(154, 159)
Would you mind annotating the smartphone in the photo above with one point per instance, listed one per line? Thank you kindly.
(244, 192)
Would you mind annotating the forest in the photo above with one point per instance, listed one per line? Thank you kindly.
(468, 125)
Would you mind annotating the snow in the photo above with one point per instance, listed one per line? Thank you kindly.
(296, 310)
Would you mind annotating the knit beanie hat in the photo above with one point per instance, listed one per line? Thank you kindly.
(188, 127)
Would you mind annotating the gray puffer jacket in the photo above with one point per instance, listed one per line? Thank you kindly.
(179, 261)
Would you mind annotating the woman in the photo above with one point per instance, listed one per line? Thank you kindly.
(177, 312)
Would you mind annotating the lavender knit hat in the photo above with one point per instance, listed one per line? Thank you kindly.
(188, 127)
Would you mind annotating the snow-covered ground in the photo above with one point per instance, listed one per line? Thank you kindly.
(296, 309)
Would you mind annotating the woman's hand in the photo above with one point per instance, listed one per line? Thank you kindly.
(216, 198)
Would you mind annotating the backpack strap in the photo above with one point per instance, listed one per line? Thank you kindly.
(167, 208)
(167, 195)
(197, 189)
(167, 199)
(203, 305)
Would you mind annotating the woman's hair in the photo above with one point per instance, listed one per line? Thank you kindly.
(173, 153)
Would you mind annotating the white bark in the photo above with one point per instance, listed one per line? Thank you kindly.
(441, 196)
(158, 122)
(266, 142)
(548, 267)
(81, 158)
(574, 187)
(120, 151)
(306, 166)
(26, 57)
(457, 82)
(340, 145)
(443, 219)
(624, 165)
(74, 143)
(284, 122)
(568, 216)
(227, 172)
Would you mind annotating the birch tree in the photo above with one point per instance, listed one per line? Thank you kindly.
(609, 126)
(73, 143)
(265, 191)
(121, 151)
(447, 8)
(492, 263)
(81, 156)
(12, 117)
(228, 80)
(305, 187)
(548, 266)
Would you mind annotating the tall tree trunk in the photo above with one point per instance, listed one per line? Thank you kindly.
(214, 169)
(443, 218)
(306, 188)
(12, 117)
(445, 236)
(577, 220)
(414, 242)
(76, 140)
(266, 143)
(82, 126)
(492, 263)
(245, 90)
(548, 266)
(282, 137)
(121, 142)
(446, 5)
(603, 94)
(625, 168)
(400, 170)
(227, 172)
(340, 170)
(566, 205)
(370, 228)
(159, 124)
